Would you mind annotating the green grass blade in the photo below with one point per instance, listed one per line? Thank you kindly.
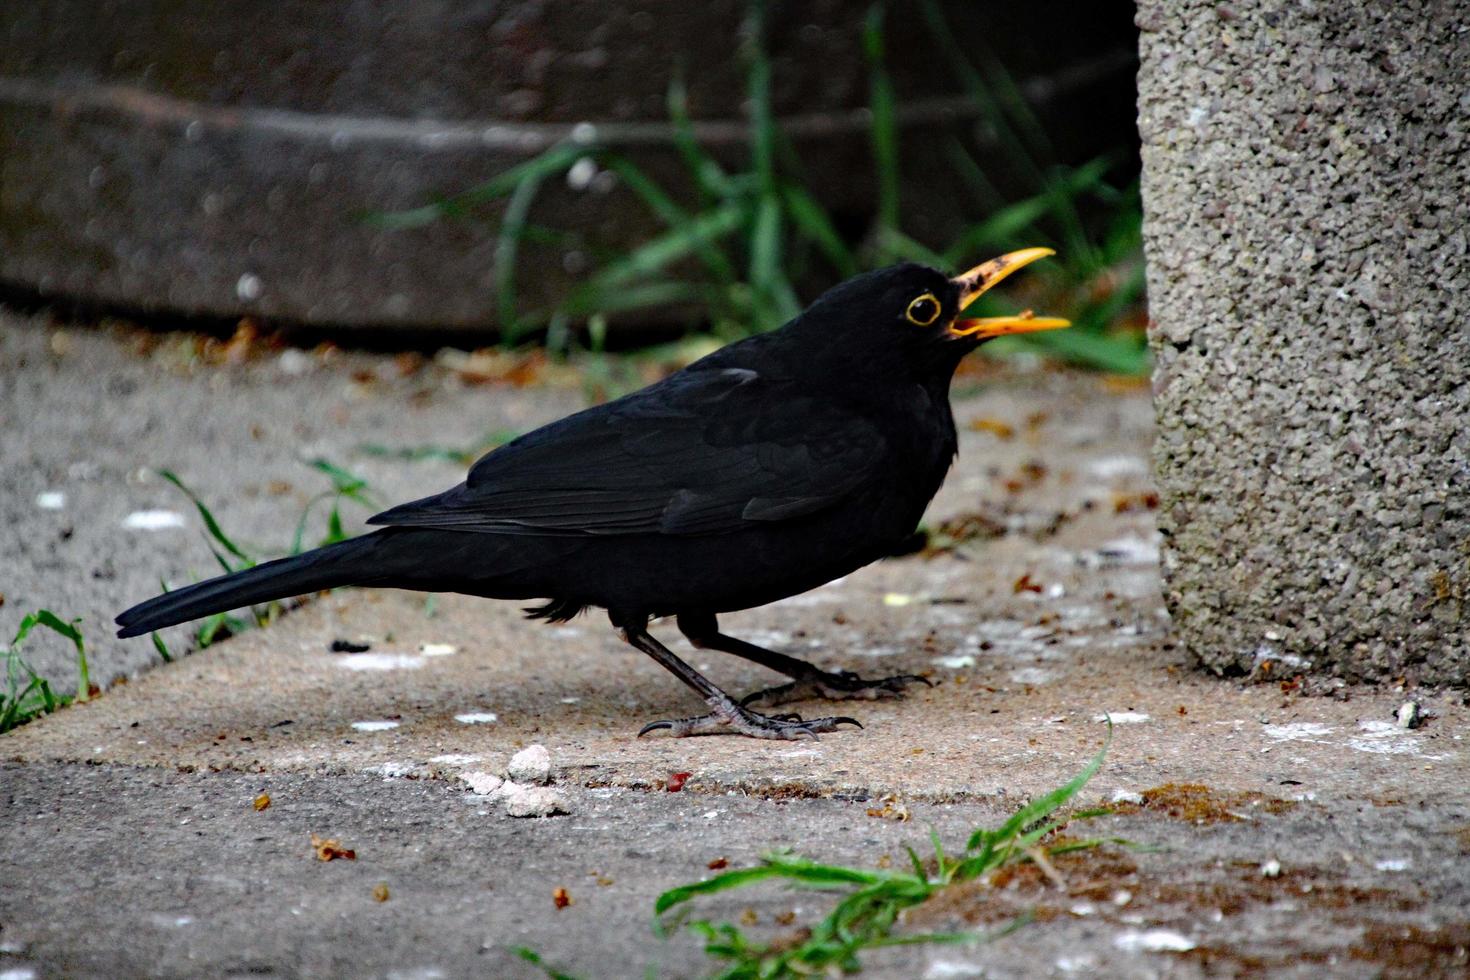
(554, 160)
(673, 215)
(882, 104)
(708, 175)
(507, 250)
(719, 883)
(758, 87)
(1047, 803)
(534, 958)
(161, 647)
(808, 216)
(210, 524)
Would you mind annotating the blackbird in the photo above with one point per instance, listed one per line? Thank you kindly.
(765, 469)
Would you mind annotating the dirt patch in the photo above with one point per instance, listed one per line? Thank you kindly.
(1409, 951)
(1199, 804)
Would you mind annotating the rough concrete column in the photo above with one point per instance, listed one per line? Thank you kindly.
(1307, 198)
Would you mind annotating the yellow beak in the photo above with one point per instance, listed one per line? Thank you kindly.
(975, 282)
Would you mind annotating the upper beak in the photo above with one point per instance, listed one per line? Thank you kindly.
(973, 283)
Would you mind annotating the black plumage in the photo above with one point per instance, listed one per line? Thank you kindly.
(767, 468)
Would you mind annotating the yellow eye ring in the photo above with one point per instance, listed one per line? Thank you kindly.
(923, 311)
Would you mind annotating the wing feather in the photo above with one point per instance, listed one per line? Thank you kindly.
(705, 452)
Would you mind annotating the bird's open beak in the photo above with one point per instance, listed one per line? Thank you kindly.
(975, 282)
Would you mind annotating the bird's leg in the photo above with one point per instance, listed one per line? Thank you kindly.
(807, 681)
(725, 717)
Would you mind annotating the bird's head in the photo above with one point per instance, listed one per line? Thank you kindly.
(916, 314)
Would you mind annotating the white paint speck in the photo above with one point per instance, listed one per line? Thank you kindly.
(153, 520)
(570, 700)
(1109, 467)
(51, 500)
(438, 649)
(1123, 717)
(1297, 731)
(1383, 738)
(948, 969)
(897, 599)
(1393, 864)
(475, 718)
(956, 662)
(378, 661)
(1152, 941)
(374, 726)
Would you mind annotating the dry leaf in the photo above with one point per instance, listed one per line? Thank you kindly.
(329, 849)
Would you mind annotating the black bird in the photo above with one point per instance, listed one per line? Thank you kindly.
(765, 469)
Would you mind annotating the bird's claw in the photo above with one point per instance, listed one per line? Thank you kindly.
(844, 685)
(742, 721)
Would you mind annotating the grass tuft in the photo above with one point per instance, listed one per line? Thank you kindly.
(233, 556)
(28, 695)
(874, 900)
(869, 914)
(734, 256)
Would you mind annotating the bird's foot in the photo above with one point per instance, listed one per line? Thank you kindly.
(737, 720)
(843, 685)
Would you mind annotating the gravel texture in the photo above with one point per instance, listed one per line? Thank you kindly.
(1307, 196)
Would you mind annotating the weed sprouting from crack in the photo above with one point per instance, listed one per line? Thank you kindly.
(28, 695)
(234, 557)
(870, 913)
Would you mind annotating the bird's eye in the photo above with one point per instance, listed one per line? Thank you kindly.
(923, 311)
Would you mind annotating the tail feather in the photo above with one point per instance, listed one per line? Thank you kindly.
(346, 563)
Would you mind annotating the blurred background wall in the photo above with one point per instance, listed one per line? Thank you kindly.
(327, 163)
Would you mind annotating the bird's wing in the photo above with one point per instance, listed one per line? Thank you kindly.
(707, 452)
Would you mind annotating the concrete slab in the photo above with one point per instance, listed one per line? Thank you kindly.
(131, 845)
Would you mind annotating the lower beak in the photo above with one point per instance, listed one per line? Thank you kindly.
(977, 281)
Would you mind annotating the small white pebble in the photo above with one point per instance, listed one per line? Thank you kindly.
(482, 783)
(956, 663)
(1123, 717)
(378, 661)
(294, 362)
(534, 801)
(1122, 897)
(1152, 941)
(475, 718)
(897, 599)
(1392, 864)
(531, 765)
(438, 649)
(1125, 796)
(374, 726)
(153, 520)
(51, 500)
(1271, 869)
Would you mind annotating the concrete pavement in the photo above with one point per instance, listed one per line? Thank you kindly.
(131, 844)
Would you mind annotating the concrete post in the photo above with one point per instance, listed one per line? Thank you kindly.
(1307, 199)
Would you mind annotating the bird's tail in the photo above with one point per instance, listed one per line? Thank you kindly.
(351, 562)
